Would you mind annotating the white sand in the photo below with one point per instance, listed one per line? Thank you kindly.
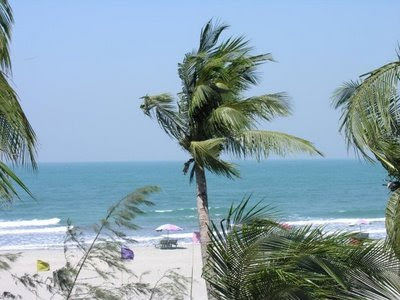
(147, 259)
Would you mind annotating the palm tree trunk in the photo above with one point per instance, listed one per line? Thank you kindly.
(392, 221)
(202, 211)
(203, 215)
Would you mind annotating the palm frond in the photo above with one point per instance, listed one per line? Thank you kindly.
(242, 71)
(385, 150)
(17, 138)
(202, 96)
(383, 287)
(161, 107)
(209, 35)
(233, 45)
(340, 98)
(268, 106)
(7, 178)
(6, 21)
(370, 111)
(235, 116)
(228, 118)
(262, 143)
(207, 155)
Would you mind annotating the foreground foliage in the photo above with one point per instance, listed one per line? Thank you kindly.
(370, 116)
(17, 138)
(253, 256)
(370, 121)
(102, 260)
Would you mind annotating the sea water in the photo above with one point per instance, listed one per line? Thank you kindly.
(330, 193)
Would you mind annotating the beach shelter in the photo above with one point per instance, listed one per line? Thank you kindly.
(168, 228)
(127, 253)
(42, 266)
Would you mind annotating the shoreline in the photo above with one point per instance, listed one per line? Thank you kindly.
(49, 234)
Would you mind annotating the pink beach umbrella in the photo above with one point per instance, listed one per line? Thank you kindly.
(360, 222)
(168, 228)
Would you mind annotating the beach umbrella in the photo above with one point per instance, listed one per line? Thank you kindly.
(360, 222)
(168, 228)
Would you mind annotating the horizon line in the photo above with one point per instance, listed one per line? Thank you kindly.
(183, 160)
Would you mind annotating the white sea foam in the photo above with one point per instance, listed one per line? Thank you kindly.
(163, 210)
(34, 230)
(179, 235)
(143, 239)
(31, 247)
(17, 235)
(344, 221)
(29, 223)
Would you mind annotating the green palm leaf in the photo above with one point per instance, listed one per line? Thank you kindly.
(252, 256)
(229, 117)
(370, 109)
(383, 287)
(7, 176)
(209, 35)
(206, 153)
(162, 108)
(370, 121)
(202, 96)
(6, 21)
(262, 143)
(267, 107)
(17, 138)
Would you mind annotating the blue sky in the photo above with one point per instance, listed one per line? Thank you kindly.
(80, 67)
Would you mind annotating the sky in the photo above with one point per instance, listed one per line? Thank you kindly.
(80, 67)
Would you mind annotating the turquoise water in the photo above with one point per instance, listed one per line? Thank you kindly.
(334, 193)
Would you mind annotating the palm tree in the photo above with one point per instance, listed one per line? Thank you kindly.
(370, 121)
(254, 256)
(17, 138)
(212, 115)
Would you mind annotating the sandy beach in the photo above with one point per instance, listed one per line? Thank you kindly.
(150, 262)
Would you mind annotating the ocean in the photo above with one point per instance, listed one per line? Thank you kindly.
(332, 193)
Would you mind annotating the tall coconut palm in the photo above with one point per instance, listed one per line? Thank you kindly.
(213, 116)
(370, 121)
(17, 138)
(254, 256)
